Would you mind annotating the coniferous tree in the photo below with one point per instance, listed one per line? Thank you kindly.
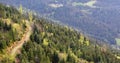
(21, 9)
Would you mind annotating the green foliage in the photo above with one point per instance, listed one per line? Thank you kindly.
(81, 40)
(8, 34)
(50, 43)
(30, 16)
(21, 9)
(63, 46)
(45, 42)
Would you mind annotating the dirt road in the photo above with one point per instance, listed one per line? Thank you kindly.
(24, 39)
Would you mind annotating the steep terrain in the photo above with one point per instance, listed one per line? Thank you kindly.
(96, 18)
(15, 30)
(24, 39)
(43, 41)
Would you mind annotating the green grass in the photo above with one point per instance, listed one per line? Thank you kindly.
(118, 41)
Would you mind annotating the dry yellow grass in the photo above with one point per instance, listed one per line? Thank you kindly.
(8, 21)
(62, 56)
(118, 57)
(16, 26)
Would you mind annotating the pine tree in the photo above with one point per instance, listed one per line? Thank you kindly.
(30, 16)
(21, 9)
(87, 42)
(81, 39)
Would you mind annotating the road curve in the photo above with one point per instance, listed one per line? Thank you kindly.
(24, 39)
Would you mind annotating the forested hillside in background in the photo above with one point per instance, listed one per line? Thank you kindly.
(49, 42)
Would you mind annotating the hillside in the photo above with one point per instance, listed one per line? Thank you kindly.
(96, 18)
(36, 40)
(12, 26)
(14, 31)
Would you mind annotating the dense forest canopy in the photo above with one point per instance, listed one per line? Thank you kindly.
(49, 42)
(97, 18)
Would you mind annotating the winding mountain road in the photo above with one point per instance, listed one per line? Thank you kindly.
(15, 48)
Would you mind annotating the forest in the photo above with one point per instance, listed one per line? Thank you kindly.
(11, 26)
(49, 41)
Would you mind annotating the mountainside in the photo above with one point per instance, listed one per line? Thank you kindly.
(25, 38)
(97, 18)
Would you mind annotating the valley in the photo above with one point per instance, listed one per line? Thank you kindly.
(96, 18)
(53, 31)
